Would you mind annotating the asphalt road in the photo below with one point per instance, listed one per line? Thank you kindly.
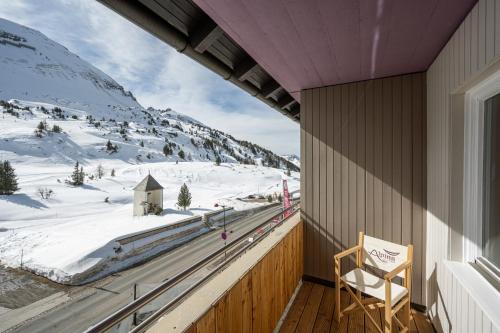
(92, 303)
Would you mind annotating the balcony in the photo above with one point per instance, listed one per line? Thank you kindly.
(312, 311)
(263, 291)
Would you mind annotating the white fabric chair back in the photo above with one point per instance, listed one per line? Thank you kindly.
(383, 255)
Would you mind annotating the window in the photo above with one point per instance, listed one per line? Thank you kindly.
(481, 178)
(490, 258)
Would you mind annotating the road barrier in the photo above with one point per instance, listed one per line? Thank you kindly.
(210, 217)
(234, 215)
(158, 230)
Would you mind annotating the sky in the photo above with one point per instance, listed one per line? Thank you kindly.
(156, 74)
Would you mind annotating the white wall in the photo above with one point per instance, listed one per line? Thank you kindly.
(156, 198)
(473, 50)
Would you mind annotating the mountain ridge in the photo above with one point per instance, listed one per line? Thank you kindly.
(42, 81)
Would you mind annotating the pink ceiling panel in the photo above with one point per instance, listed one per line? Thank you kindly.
(311, 43)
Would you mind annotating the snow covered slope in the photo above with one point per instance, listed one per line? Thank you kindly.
(292, 158)
(73, 231)
(37, 70)
(55, 110)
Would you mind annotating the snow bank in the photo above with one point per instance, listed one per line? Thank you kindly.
(75, 231)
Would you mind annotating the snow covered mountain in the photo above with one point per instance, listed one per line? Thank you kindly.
(292, 158)
(43, 82)
(35, 68)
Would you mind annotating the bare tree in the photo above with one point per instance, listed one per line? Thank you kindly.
(45, 193)
(100, 171)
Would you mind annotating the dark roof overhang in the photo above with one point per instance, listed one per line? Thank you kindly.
(185, 27)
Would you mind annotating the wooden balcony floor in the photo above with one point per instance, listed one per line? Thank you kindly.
(312, 311)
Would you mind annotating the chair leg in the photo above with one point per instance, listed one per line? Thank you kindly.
(337, 289)
(406, 315)
(388, 318)
(337, 299)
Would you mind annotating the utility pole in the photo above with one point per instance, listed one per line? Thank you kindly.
(225, 231)
(134, 319)
(224, 214)
(224, 234)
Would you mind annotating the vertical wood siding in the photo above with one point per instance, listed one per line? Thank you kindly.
(363, 169)
(257, 301)
(471, 50)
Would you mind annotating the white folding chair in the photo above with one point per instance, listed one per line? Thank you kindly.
(392, 258)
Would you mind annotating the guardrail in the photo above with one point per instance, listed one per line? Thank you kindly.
(207, 217)
(132, 307)
(154, 231)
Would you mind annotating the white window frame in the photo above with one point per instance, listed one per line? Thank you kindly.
(473, 171)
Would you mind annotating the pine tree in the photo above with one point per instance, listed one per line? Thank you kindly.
(8, 179)
(167, 150)
(217, 160)
(40, 128)
(141, 143)
(2, 178)
(77, 177)
(184, 198)
(42, 125)
(112, 172)
(112, 148)
(56, 129)
(81, 176)
(181, 154)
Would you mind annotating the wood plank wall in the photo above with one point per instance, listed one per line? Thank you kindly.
(363, 168)
(257, 301)
(471, 51)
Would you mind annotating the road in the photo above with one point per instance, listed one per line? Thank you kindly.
(92, 303)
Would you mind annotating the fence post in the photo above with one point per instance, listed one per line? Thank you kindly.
(134, 320)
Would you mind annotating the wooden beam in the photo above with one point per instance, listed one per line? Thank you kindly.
(293, 105)
(295, 109)
(244, 68)
(269, 88)
(203, 37)
(285, 101)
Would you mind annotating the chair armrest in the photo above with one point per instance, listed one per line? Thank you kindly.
(392, 274)
(347, 252)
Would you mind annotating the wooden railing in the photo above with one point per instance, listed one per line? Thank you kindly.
(251, 294)
(257, 301)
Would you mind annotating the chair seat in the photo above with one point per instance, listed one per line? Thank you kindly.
(373, 285)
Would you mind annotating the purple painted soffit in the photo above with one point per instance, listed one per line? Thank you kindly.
(307, 43)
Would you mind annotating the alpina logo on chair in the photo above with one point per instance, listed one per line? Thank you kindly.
(388, 256)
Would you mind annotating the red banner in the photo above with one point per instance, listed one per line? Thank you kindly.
(286, 199)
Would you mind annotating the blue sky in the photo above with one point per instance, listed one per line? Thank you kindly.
(157, 74)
